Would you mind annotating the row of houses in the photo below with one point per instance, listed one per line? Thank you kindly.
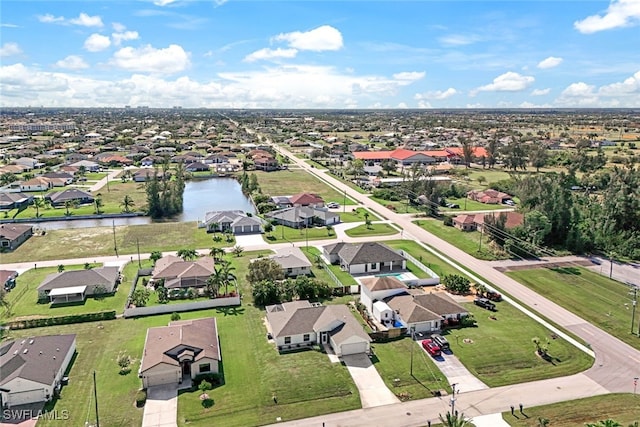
(406, 157)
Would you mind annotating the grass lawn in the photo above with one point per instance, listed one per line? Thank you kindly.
(501, 351)
(24, 297)
(298, 181)
(375, 229)
(399, 206)
(95, 176)
(393, 361)
(470, 205)
(624, 408)
(435, 264)
(344, 277)
(282, 234)
(467, 241)
(356, 215)
(98, 241)
(597, 299)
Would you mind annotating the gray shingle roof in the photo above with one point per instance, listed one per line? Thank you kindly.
(104, 276)
(368, 252)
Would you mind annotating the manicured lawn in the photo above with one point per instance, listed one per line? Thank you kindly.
(356, 215)
(282, 234)
(344, 277)
(501, 351)
(241, 265)
(427, 258)
(470, 205)
(375, 229)
(597, 299)
(98, 241)
(24, 298)
(393, 361)
(95, 176)
(293, 181)
(624, 408)
(468, 241)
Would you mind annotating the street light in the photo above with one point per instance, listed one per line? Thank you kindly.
(453, 398)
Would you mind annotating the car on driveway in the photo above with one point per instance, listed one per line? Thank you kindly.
(485, 303)
(431, 347)
(440, 341)
(333, 205)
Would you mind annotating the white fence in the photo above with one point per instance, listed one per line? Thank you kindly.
(177, 308)
(433, 278)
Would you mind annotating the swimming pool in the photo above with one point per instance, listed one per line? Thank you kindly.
(400, 276)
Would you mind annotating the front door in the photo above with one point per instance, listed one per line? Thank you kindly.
(323, 337)
(186, 368)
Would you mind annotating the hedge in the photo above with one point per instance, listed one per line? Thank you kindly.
(61, 320)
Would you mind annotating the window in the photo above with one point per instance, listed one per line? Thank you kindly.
(287, 340)
(305, 337)
(374, 265)
(204, 367)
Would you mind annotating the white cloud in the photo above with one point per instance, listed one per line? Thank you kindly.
(507, 82)
(169, 60)
(72, 62)
(266, 54)
(97, 42)
(164, 2)
(7, 25)
(459, 39)
(319, 39)
(118, 27)
(549, 62)
(620, 13)
(436, 94)
(87, 21)
(121, 36)
(578, 89)
(408, 77)
(540, 92)
(579, 95)
(10, 49)
(630, 86)
(424, 104)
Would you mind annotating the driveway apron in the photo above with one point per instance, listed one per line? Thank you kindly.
(161, 408)
(373, 391)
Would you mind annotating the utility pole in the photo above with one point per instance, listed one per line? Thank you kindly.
(138, 246)
(115, 244)
(95, 396)
(453, 399)
(413, 344)
(344, 201)
(480, 244)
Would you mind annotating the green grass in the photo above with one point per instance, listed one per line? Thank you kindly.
(375, 229)
(470, 205)
(24, 298)
(282, 234)
(344, 277)
(427, 258)
(624, 408)
(467, 241)
(399, 206)
(355, 215)
(502, 353)
(98, 241)
(599, 300)
(294, 181)
(393, 361)
(94, 176)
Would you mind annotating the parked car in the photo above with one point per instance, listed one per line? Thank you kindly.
(333, 205)
(440, 341)
(453, 206)
(485, 303)
(431, 347)
(493, 296)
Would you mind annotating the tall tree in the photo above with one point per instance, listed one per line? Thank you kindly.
(127, 203)
(187, 254)
(467, 151)
(492, 153)
(514, 155)
(538, 156)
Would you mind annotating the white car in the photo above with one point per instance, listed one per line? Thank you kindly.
(333, 205)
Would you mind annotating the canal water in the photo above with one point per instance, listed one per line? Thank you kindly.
(200, 197)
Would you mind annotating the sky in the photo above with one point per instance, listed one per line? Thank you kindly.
(342, 54)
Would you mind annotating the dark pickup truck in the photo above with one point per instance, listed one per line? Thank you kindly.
(485, 303)
(493, 296)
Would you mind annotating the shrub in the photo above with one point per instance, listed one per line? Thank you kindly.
(175, 316)
(141, 398)
(448, 220)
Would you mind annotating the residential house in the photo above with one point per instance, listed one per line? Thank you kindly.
(299, 217)
(456, 154)
(32, 368)
(71, 170)
(237, 222)
(364, 258)
(465, 222)
(88, 165)
(185, 348)
(177, 273)
(473, 222)
(10, 201)
(306, 199)
(142, 175)
(29, 163)
(13, 235)
(375, 289)
(424, 312)
(299, 323)
(59, 198)
(215, 159)
(77, 285)
(196, 167)
(37, 183)
(493, 197)
(293, 261)
(266, 164)
(59, 179)
(282, 201)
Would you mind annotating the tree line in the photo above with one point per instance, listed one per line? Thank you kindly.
(165, 192)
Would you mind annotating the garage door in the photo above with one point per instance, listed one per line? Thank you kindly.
(353, 348)
(24, 397)
(169, 377)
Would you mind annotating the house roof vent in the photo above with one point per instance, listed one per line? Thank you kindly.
(25, 351)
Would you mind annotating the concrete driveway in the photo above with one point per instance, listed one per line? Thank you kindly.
(373, 391)
(248, 240)
(161, 409)
(456, 373)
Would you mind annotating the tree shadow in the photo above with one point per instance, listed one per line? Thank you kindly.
(230, 311)
(575, 271)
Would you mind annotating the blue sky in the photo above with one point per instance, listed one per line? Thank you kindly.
(320, 54)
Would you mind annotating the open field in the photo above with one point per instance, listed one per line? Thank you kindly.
(355, 215)
(24, 304)
(501, 351)
(294, 181)
(468, 241)
(624, 408)
(399, 206)
(282, 234)
(98, 241)
(375, 229)
(599, 300)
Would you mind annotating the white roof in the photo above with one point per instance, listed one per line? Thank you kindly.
(382, 306)
(67, 291)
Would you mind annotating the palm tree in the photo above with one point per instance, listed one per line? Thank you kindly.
(38, 203)
(68, 204)
(227, 276)
(60, 268)
(213, 283)
(98, 202)
(329, 229)
(237, 250)
(155, 256)
(367, 221)
(452, 420)
(480, 289)
(543, 422)
(605, 423)
(127, 203)
(216, 253)
(187, 254)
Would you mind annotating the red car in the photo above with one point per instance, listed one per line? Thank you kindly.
(431, 347)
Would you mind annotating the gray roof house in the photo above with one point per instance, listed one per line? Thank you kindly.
(293, 262)
(13, 235)
(76, 285)
(299, 324)
(59, 198)
(178, 273)
(31, 369)
(364, 258)
(236, 221)
(425, 312)
(304, 216)
(12, 200)
(184, 348)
